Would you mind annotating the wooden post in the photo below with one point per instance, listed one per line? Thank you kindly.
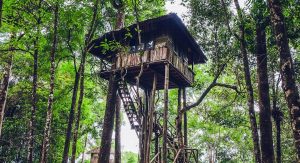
(179, 126)
(185, 124)
(143, 132)
(118, 131)
(156, 141)
(150, 118)
(165, 120)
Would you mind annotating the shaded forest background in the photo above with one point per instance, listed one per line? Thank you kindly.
(53, 77)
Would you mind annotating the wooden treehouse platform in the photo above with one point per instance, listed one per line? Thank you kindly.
(129, 65)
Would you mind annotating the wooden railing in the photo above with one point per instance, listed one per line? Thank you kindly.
(155, 55)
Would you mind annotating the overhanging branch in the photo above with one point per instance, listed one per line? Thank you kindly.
(212, 84)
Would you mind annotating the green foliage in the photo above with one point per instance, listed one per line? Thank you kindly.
(129, 157)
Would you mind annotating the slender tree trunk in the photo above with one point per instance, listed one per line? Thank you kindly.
(179, 125)
(4, 89)
(185, 136)
(267, 151)
(150, 118)
(34, 103)
(47, 127)
(277, 116)
(78, 115)
(118, 131)
(71, 118)
(286, 69)
(110, 105)
(166, 107)
(248, 82)
(78, 76)
(34, 88)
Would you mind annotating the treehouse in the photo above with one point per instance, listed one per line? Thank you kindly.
(151, 44)
(160, 53)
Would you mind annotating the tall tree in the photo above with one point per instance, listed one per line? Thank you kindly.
(266, 141)
(111, 98)
(78, 76)
(47, 128)
(287, 70)
(243, 49)
(32, 121)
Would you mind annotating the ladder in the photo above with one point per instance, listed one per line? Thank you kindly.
(130, 106)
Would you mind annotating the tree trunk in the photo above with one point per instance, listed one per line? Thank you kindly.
(78, 76)
(108, 123)
(179, 125)
(34, 103)
(71, 117)
(277, 116)
(47, 127)
(266, 142)
(150, 118)
(34, 88)
(4, 89)
(109, 115)
(165, 121)
(77, 123)
(248, 82)
(118, 131)
(185, 136)
(286, 69)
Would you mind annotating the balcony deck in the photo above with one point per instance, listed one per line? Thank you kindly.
(153, 62)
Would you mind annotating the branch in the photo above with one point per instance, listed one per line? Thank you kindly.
(227, 21)
(228, 86)
(212, 84)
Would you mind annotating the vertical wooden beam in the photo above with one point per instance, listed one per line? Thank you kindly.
(143, 132)
(185, 139)
(118, 131)
(185, 118)
(156, 150)
(179, 125)
(165, 120)
(150, 118)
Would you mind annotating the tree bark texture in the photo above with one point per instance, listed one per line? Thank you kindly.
(179, 125)
(185, 134)
(266, 141)
(110, 104)
(34, 87)
(78, 114)
(4, 89)
(118, 131)
(47, 128)
(253, 123)
(165, 121)
(34, 103)
(286, 69)
(108, 123)
(150, 118)
(78, 76)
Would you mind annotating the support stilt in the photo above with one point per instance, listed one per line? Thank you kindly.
(185, 123)
(150, 118)
(165, 120)
(118, 131)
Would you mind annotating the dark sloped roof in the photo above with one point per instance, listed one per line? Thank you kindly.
(165, 25)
